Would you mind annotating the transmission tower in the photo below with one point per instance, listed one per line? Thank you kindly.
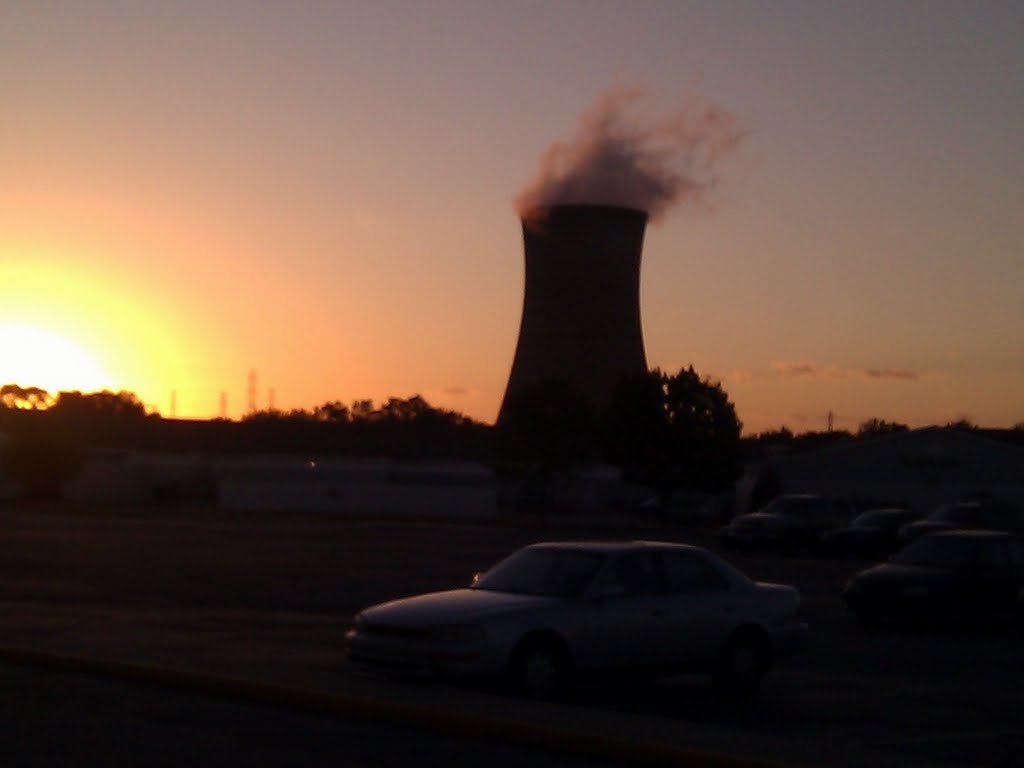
(253, 382)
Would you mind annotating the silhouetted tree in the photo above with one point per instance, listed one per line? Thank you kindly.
(363, 410)
(781, 435)
(334, 411)
(31, 398)
(673, 431)
(637, 435)
(412, 409)
(877, 427)
(120, 406)
(964, 425)
(545, 429)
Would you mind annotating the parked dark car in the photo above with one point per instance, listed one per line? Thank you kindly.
(871, 535)
(790, 524)
(948, 574)
(988, 514)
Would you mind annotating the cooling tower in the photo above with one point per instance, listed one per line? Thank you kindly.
(581, 306)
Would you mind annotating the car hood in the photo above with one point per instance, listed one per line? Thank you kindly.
(755, 520)
(777, 599)
(456, 605)
(921, 527)
(898, 573)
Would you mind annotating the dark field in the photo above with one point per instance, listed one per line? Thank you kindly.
(268, 598)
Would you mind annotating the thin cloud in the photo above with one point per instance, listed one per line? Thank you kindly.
(815, 372)
(891, 373)
(739, 377)
(805, 370)
(457, 391)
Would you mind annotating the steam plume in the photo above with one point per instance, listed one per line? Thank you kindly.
(619, 158)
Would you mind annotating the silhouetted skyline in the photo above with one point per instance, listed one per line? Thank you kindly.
(327, 194)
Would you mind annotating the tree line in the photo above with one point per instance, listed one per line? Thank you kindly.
(665, 431)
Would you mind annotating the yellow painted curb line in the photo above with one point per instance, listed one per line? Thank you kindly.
(365, 708)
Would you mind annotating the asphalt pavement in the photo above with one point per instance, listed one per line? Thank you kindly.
(265, 599)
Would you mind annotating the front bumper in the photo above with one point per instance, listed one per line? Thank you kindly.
(789, 639)
(419, 658)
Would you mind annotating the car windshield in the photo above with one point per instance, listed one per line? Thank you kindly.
(873, 519)
(939, 551)
(543, 571)
(881, 518)
(958, 514)
(793, 506)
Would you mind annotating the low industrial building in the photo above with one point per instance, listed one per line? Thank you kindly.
(921, 469)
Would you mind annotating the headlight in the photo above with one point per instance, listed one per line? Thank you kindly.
(457, 634)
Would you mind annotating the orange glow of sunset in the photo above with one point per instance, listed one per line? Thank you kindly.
(31, 356)
(324, 196)
(68, 321)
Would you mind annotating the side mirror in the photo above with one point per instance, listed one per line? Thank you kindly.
(476, 579)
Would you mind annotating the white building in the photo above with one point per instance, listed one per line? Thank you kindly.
(362, 486)
(289, 483)
(922, 468)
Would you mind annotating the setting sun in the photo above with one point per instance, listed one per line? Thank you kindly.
(34, 357)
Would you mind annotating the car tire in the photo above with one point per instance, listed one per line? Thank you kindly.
(539, 668)
(742, 665)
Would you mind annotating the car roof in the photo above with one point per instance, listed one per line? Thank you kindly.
(972, 533)
(614, 546)
(887, 511)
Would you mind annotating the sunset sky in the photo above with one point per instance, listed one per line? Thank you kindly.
(324, 192)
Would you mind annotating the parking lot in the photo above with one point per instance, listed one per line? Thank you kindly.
(269, 597)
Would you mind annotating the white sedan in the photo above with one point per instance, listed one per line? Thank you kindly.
(555, 610)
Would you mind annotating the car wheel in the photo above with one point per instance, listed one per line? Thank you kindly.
(743, 664)
(539, 668)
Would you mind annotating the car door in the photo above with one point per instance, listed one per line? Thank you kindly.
(701, 609)
(1016, 549)
(993, 586)
(625, 620)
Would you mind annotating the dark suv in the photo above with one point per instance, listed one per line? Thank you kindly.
(790, 523)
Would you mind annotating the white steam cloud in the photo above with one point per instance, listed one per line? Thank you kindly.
(619, 157)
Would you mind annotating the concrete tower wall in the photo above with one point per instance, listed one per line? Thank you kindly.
(581, 306)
